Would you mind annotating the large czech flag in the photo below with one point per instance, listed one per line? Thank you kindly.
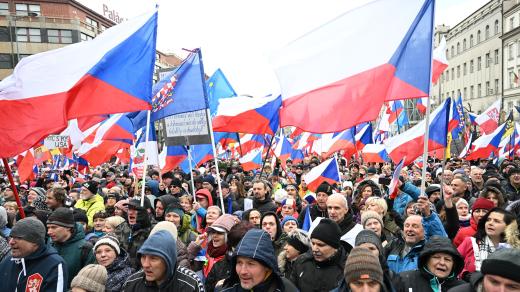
(326, 171)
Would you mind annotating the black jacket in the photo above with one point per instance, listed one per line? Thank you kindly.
(311, 276)
(265, 205)
(422, 279)
(473, 286)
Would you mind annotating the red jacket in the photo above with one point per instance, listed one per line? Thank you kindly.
(465, 232)
(466, 251)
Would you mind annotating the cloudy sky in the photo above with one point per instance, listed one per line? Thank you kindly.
(238, 36)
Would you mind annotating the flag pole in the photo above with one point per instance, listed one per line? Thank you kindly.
(13, 187)
(428, 105)
(267, 155)
(211, 134)
(337, 168)
(188, 147)
(145, 165)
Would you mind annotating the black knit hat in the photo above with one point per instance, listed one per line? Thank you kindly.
(324, 187)
(504, 263)
(369, 236)
(327, 231)
(92, 186)
(62, 217)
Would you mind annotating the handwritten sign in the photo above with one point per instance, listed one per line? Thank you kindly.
(56, 141)
(192, 126)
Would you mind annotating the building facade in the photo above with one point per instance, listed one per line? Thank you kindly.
(511, 47)
(30, 27)
(474, 52)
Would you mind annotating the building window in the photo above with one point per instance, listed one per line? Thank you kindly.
(447, 75)
(28, 9)
(518, 49)
(479, 63)
(471, 92)
(471, 66)
(478, 37)
(471, 41)
(488, 60)
(511, 78)
(452, 93)
(487, 32)
(488, 88)
(465, 92)
(452, 73)
(496, 57)
(85, 37)
(4, 8)
(496, 86)
(465, 69)
(452, 51)
(511, 23)
(496, 26)
(59, 36)
(447, 53)
(6, 61)
(458, 93)
(479, 90)
(464, 45)
(458, 48)
(31, 35)
(510, 50)
(91, 24)
(458, 71)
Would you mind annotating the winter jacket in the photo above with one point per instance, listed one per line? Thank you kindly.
(118, 271)
(349, 230)
(76, 252)
(4, 247)
(44, 269)
(409, 192)
(474, 285)
(422, 279)
(221, 270)
(182, 255)
(452, 224)
(256, 244)
(264, 205)
(465, 232)
(466, 251)
(139, 233)
(512, 193)
(315, 212)
(91, 207)
(165, 201)
(178, 279)
(185, 233)
(311, 276)
(231, 205)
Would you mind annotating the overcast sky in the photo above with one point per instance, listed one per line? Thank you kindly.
(238, 36)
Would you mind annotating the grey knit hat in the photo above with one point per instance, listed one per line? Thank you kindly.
(29, 229)
(369, 236)
(91, 278)
(504, 263)
(62, 217)
(362, 264)
(371, 215)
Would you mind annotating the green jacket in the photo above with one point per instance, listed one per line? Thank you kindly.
(76, 252)
(185, 233)
(91, 206)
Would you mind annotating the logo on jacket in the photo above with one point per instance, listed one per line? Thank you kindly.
(34, 282)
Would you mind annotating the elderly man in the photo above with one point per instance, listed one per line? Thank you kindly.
(90, 201)
(403, 252)
(321, 270)
(460, 186)
(513, 186)
(338, 211)
(477, 180)
(32, 265)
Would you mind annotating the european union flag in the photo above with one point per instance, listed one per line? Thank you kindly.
(218, 87)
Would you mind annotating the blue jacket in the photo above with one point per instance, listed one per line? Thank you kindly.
(409, 192)
(44, 268)
(432, 226)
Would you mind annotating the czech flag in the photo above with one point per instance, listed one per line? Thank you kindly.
(283, 150)
(440, 62)
(374, 153)
(297, 156)
(392, 188)
(253, 115)
(410, 143)
(488, 120)
(363, 135)
(342, 62)
(486, 145)
(252, 160)
(248, 142)
(326, 171)
(421, 104)
(199, 154)
(83, 79)
(171, 156)
(344, 140)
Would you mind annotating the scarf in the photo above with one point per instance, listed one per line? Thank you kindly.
(216, 252)
(482, 250)
(464, 220)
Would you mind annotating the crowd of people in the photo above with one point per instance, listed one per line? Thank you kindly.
(265, 230)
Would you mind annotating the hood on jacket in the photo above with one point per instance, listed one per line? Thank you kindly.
(165, 201)
(3, 217)
(513, 233)
(257, 245)
(163, 245)
(205, 193)
(278, 225)
(441, 244)
(375, 188)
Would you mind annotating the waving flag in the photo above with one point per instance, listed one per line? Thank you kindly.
(83, 79)
(252, 160)
(249, 142)
(421, 104)
(363, 135)
(410, 143)
(218, 87)
(297, 156)
(224, 138)
(488, 120)
(342, 62)
(25, 165)
(138, 150)
(326, 171)
(374, 153)
(248, 115)
(440, 62)
(392, 188)
(456, 120)
(344, 140)
(283, 150)
(467, 148)
(199, 153)
(171, 157)
(486, 145)
(397, 113)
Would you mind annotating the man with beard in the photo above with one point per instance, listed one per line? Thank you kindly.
(320, 208)
(90, 201)
(338, 211)
(262, 201)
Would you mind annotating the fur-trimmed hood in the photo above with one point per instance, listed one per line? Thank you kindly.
(513, 234)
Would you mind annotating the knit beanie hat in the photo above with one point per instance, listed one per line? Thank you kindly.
(39, 191)
(29, 229)
(109, 240)
(92, 186)
(362, 264)
(482, 203)
(224, 223)
(297, 244)
(324, 187)
(369, 236)
(175, 208)
(461, 201)
(371, 215)
(91, 278)
(504, 263)
(167, 226)
(287, 219)
(62, 217)
(327, 231)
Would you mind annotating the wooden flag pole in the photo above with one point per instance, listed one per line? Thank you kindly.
(13, 187)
